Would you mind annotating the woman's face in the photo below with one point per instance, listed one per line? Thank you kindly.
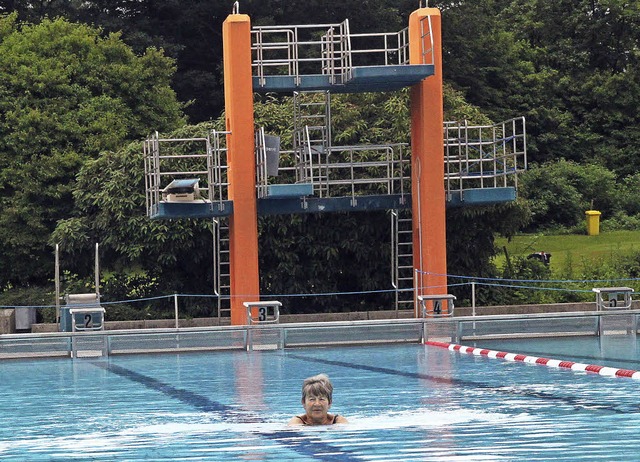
(316, 408)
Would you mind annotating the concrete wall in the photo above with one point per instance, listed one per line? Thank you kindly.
(7, 321)
(206, 322)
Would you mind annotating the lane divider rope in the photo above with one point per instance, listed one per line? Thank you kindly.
(601, 370)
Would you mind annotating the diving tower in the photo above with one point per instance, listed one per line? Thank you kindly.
(227, 176)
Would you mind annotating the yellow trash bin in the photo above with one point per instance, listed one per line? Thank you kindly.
(593, 222)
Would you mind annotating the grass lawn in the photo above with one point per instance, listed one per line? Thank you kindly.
(580, 249)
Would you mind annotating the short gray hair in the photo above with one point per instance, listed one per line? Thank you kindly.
(318, 385)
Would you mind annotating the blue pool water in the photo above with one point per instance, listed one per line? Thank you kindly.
(619, 351)
(404, 403)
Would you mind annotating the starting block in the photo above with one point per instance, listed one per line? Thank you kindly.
(436, 305)
(613, 298)
(268, 312)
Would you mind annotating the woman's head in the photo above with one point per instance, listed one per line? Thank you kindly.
(318, 385)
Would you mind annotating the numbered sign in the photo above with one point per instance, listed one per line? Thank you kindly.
(263, 312)
(84, 319)
(436, 305)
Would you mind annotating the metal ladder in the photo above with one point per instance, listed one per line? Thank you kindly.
(221, 267)
(402, 258)
(312, 138)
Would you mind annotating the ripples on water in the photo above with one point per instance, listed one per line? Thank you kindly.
(404, 403)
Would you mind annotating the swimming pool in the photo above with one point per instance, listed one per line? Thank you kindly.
(405, 402)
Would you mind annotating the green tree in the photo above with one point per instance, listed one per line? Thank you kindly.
(66, 94)
(139, 257)
(569, 66)
(190, 31)
(558, 193)
(589, 102)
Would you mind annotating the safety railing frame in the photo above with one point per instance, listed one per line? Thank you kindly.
(291, 49)
(337, 167)
(484, 156)
(214, 153)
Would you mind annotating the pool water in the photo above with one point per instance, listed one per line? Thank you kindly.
(404, 403)
(619, 351)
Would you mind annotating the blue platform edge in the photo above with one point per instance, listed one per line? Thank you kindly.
(481, 196)
(170, 210)
(283, 205)
(289, 190)
(364, 79)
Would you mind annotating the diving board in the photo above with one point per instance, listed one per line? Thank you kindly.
(363, 79)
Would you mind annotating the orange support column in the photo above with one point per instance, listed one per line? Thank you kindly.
(427, 152)
(243, 225)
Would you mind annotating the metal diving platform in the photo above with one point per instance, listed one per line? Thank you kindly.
(186, 178)
(329, 57)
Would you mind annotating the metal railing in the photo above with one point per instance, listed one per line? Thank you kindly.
(341, 171)
(476, 156)
(263, 336)
(261, 163)
(484, 156)
(200, 158)
(330, 49)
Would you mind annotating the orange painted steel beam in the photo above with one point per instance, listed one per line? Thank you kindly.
(427, 159)
(243, 224)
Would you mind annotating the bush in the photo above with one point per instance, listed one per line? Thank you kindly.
(39, 296)
(559, 192)
(621, 221)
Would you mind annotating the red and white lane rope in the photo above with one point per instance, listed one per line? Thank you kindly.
(602, 370)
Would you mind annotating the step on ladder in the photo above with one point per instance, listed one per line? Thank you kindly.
(402, 258)
(222, 268)
(312, 138)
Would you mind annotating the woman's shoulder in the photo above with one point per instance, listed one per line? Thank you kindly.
(297, 420)
(338, 419)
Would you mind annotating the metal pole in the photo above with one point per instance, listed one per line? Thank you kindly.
(57, 281)
(415, 292)
(175, 303)
(97, 270)
(473, 298)
(473, 304)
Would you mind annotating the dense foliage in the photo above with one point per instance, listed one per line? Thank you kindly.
(67, 93)
(79, 82)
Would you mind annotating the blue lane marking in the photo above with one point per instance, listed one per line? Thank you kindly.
(573, 401)
(306, 445)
